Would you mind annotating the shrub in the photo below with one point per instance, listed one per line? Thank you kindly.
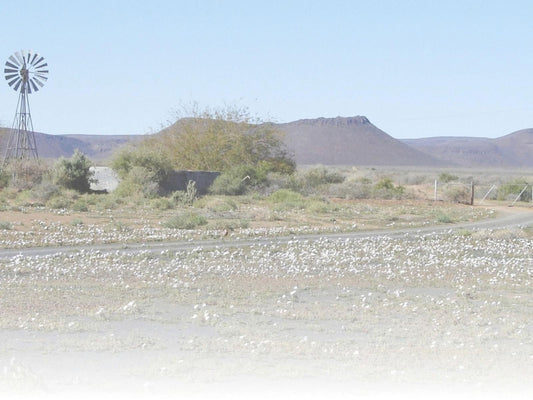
(44, 192)
(315, 180)
(57, 203)
(322, 176)
(235, 181)
(142, 171)
(318, 206)
(353, 189)
(80, 206)
(4, 179)
(26, 173)
(446, 177)
(162, 203)
(186, 197)
(74, 173)
(231, 225)
(511, 190)
(458, 194)
(287, 199)
(444, 219)
(217, 204)
(5, 225)
(185, 221)
(107, 202)
(385, 189)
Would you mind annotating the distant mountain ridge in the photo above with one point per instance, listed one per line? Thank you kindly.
(336, 141)
(97, 147)
(512, 150)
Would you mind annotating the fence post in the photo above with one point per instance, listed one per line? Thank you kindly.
(436, 184)
(472, 193)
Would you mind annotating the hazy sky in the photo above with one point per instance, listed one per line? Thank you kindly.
(414, 68)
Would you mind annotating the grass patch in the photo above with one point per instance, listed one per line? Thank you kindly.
(76, 222)
(285, 199)
(444, 219)
(80, 206)
(5, 226)
(185, 221)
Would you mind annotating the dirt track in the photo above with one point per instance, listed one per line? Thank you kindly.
(506, 218)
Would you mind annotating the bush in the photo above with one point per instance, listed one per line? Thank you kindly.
(385, 189)
(26, 173)
(142, 171)
(74, 173)
(318, 206)
(287, 199)
(444, 219)
(80, 206)
(5, 225)
(186, 197)
(511, 190)
(353, 189)
(446, 177)
(315, 180)
(458, 194)
(185, 221)
(58, 203)
(162, 203)
(44, 192)
(235, 181)
(4, 179)
(322, 176)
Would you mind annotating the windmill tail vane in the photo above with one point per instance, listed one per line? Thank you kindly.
(25, 72)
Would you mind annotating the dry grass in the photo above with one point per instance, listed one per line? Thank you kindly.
(33, 226)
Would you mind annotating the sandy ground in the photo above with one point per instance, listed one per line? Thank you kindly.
(444, 315)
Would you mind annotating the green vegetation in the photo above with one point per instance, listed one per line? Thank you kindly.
(188, 220)
(245, 151)
(385, 189)
(446, 177)
(219, 140)
(142, 170)
(513, 188)
(5, 225)
(74, 173)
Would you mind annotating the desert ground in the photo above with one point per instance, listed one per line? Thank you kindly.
(434, 309)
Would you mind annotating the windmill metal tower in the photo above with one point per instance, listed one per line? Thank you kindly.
(25, 72)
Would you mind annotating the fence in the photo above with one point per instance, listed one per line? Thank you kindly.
(470, 193)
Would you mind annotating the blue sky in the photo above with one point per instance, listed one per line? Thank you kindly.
(414, 68)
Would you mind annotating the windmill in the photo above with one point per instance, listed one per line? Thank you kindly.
(25, 72)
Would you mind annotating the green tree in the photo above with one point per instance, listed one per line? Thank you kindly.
(74, 173)
(219, 140)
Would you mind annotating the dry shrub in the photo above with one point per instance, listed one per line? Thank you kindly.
(458, 194)
(27, 174)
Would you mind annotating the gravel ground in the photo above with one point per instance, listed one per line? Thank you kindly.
(445, 314)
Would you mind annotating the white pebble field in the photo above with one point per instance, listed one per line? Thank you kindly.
(449, 309)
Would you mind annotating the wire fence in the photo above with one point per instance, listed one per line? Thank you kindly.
(471, 193)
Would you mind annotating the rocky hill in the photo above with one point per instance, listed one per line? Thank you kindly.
(348, 141)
